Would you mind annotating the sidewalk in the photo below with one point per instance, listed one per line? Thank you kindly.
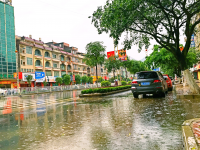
(191, 134)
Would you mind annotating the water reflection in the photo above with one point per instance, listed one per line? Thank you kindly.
(63, 121)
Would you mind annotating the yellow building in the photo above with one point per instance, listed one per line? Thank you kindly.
(55, 59)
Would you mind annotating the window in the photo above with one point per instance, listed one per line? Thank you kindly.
(47, 64)
(37, 63)
(48, 73)
(74, 67)
(21, 62)
(62, 66)
(55, 65)
(24, 70)
(28, 50)
(56, 73)
(32, 70)
(63, 73)
(29, 61)
(101, 70)
(37, 52)
(78, 68)
(54, 55)
(91, 69)
(62, 58)
(68, 67)
(147, 75)
(21, 70)
(46, 54)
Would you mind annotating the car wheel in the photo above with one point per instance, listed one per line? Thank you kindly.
(135, 95)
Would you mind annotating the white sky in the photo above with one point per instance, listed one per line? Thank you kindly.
(64, 21)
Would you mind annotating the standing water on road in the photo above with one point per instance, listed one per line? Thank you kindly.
(65, 121)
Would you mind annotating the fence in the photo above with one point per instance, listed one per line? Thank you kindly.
(35, 90)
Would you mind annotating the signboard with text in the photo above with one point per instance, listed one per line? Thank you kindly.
(122, 55)
(24, 75)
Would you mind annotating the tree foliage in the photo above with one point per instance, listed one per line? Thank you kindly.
(59, 80)
(90, 80)
(100, 79)
(29, 78)
(160, 57)
(144, 20)
(78, 79)
(84, 79)
(66, 79)
(136, 66)
(95, 54)
(112, 64)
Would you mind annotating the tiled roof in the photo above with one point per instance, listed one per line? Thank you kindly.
(40, 42)
(39, 46)
(48, 48)
(29, 39)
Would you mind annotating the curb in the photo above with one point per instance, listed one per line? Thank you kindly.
(103, 94)
(190, 141)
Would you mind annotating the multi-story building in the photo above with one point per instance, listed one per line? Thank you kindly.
(55, 59)
(7, 45)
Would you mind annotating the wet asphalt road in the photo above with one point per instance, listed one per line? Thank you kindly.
(117, 122)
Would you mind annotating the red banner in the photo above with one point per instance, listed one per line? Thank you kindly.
(110, 54)
(122, 55)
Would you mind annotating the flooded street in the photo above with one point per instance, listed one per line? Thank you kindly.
(65, 121)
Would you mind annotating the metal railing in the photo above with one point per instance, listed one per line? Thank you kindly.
(45, 89)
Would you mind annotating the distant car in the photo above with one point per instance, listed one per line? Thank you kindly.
(149, 82)
(169, 81)
(3, 92)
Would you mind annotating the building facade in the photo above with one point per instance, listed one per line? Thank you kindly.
(7, 44)
(54, 59)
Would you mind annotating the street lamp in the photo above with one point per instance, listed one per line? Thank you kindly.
(18, 88)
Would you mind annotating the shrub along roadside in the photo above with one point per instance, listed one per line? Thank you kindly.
(105, 90)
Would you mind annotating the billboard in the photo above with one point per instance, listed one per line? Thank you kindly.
(15, 75)
(24, 75)
(40, 76)
(50, 79)
(110, 54)
(122, 55)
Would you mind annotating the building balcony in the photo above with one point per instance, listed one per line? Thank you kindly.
(85, 72)
(76, 70)
(69, 70)
(38, 67)
(48, 68)
(38, 56)
(48, 58)
(55, 59)
(75, 63)
(56, 68)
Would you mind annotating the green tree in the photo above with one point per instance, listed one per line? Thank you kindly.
(45, 83)
(66, 79)
(59, 80)
(112, 64)
(84, 79)
(95, 54)
(136, 66)
(78, 79)
(90, 80)
(29, 78)
(162, 58)
(111, 79)
(144, 20)
(100, 79)
(126, 64)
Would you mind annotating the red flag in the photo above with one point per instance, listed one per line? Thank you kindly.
(110, 54)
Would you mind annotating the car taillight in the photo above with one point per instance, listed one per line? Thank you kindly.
(156, 81)
(134, 82)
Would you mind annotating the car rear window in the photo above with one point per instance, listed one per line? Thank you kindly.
(147, 75)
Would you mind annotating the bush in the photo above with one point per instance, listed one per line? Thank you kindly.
(124, 83)
(105, 90)
(129, 82)
(105, 83)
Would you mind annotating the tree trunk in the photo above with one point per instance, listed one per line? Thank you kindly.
(96, 76)
(126, 73)
(194, 88)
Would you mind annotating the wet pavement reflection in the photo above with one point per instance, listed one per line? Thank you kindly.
(65, 121)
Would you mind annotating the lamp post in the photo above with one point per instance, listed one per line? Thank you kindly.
(18, 88)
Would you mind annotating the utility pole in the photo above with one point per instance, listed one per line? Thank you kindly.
(17, 69)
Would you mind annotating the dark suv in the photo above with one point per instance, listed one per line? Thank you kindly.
(149, 82)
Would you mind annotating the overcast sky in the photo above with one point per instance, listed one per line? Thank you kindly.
(64, 21)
